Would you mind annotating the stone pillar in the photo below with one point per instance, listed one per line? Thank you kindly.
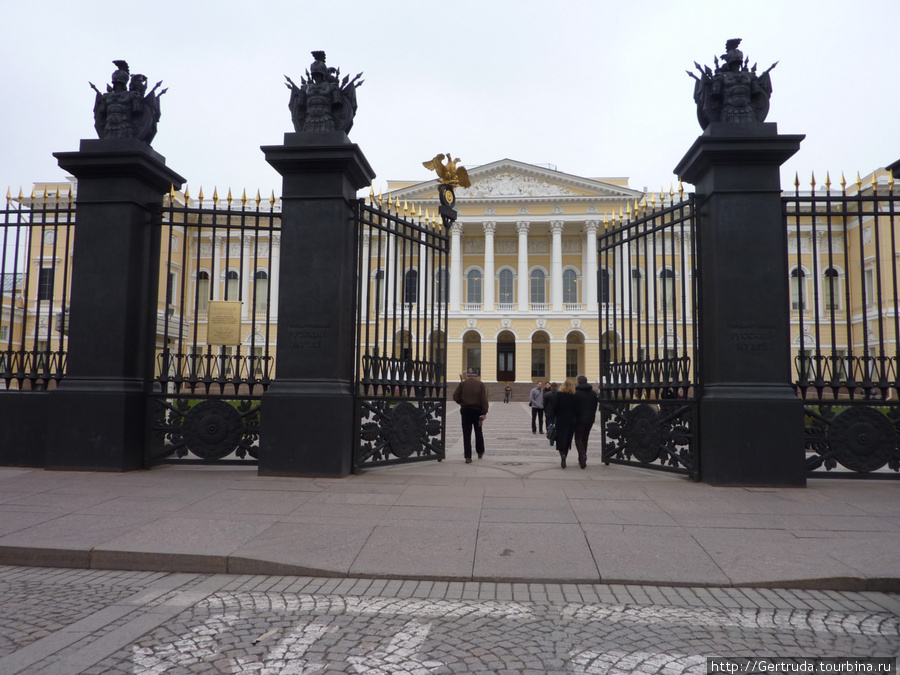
(99, 411)
(309, 423)
(488, 295)
(455, 266)
(750, 419)
(589, 275)
(556, 285)
(524, 304)
(489, 360)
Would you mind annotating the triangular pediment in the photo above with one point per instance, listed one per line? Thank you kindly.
(508, 179)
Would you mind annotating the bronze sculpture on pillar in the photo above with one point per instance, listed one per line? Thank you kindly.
(733, 92)
(323, 102)
(127, 113)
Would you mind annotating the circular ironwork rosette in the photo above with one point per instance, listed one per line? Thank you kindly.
(406, 429)
(212, 429)
(862, 439)
(643, 434)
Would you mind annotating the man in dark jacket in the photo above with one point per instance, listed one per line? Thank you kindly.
(471, 395)
(550, 407)
(587, 403)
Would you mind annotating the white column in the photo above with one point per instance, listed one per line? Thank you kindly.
(274, 273)
(589, 276)
(217, 278)
(488, 286)
(522, 229)
(556, 286)
(455, 266)
(365, 266)
(246, 273)
(424, 271)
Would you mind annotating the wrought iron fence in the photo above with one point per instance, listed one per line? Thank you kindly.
(219, 270)
(845, 317)
(649, 337)
(401, 339)
(36, 238)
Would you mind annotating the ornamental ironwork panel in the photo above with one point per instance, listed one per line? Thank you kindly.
(210, 369)
(36, 241)
(649, 343)
(845, 317)
(401, 336)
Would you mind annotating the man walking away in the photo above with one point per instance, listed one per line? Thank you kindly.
(587, 403)
(471, 395)
(549, 407)
(536, 401)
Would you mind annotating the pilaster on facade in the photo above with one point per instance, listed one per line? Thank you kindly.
(455, 266)
(589, 273)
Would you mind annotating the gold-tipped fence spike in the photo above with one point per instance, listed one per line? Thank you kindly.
(272, 200)
(244, 198)
(258, 198)
(200, 195)
(828, 181)
(372, 194)
(405, 208)
(215, 196)
(21, 196)
(229, 198)
(187, 196)
(32, 194)
(796, 181)
(8, 195)
(812, 181)
(858, 182)
(380, 199)
(680, 190)
(891, 180)
(843, 182)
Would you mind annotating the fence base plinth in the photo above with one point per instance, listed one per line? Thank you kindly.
(309, 430)
(751, 437)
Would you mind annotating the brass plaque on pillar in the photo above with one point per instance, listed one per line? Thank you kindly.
(224, 322)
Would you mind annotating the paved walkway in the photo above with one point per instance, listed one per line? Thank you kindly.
(91, 622)
(513, 516)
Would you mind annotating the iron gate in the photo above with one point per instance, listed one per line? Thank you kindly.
(649, 337)
(218, 263)
(845, 314)
(401, 336)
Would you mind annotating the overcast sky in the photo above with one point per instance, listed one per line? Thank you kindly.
(594, 88)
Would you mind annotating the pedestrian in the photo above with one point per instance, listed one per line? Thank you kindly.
(587, 413)
(506, 393)
(471, 395)
(550, 409)
(536, 403)
(565, 406)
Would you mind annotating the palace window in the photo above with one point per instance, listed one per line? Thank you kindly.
(203, 291)
(232, 285)
(441, 280)
(832, 289)
(45, 284)
(570, 287)
(667, 290)
(473, 287)
(603, 282)
(798, 289)
(411, 287)
(538, 287)
(637, 290)
(506, 288)
(261, 292)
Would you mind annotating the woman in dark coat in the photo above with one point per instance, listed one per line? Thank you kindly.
(566, 409)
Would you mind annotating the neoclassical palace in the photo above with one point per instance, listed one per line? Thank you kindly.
(523, 276)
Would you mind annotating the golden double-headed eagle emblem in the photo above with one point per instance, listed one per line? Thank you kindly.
(449, 173)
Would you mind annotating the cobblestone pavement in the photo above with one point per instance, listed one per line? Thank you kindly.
(87, 621)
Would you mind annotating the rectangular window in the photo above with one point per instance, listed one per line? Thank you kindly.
(571, 363)
(538, 362)
(45, 284)
(4, 333)
(870, 286)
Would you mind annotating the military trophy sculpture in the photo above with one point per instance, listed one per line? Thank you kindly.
(450, 175)
(126, 110)
(733, 92)
(323, 102)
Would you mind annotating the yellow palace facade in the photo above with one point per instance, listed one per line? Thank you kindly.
(523, 277)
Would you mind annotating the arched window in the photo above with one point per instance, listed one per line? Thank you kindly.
(380, 299)
(232, 285)
(798, 289)
(538, 287)
(203, 291)
(832, 289)
(570, 287)
(667, 290)
(506, 288)
(411, 287)
(261, 292)
(637, 290)
(603, 281)
(473, 287)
